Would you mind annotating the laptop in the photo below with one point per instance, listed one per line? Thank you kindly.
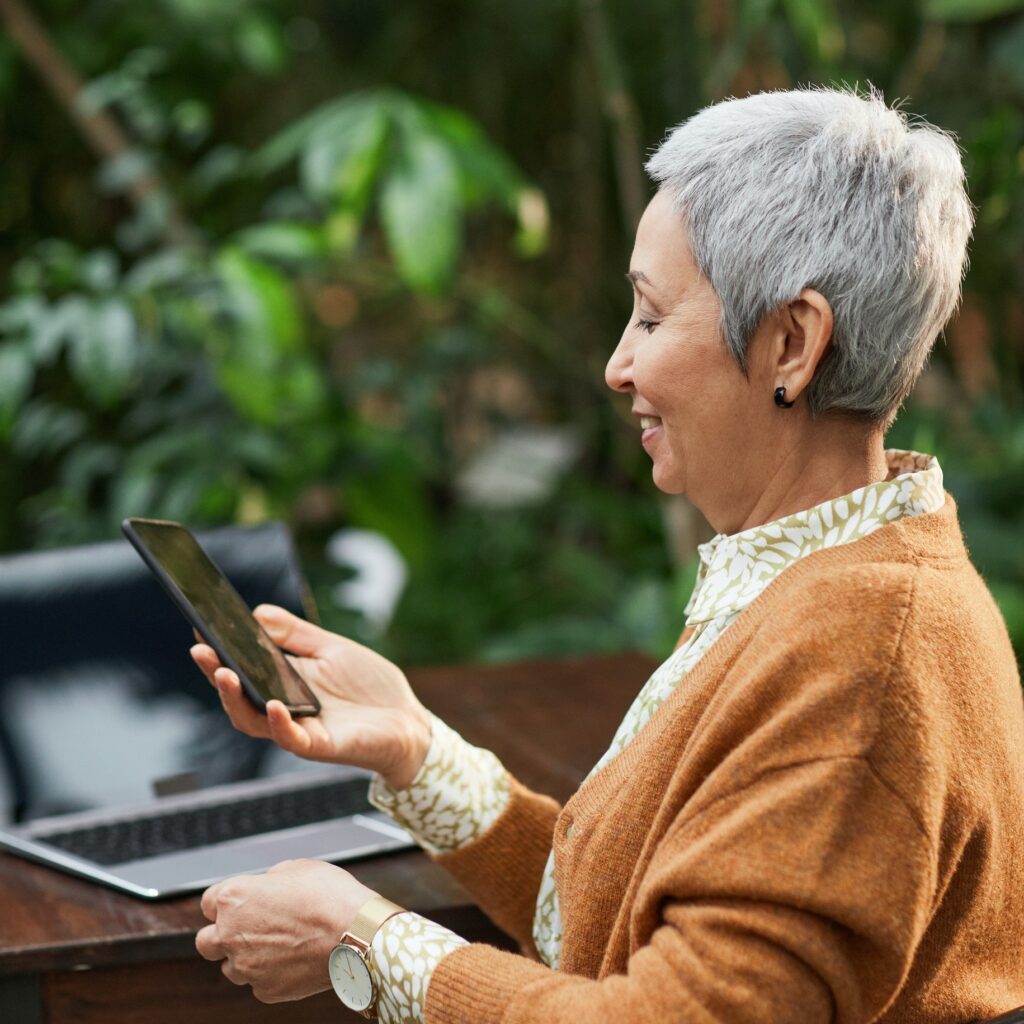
(117, 762)
(184, 842)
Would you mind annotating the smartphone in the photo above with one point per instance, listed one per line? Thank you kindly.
(221, 617)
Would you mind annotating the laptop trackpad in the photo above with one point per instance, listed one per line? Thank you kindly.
(336, 840)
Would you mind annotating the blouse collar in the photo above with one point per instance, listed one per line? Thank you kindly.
(735, 568)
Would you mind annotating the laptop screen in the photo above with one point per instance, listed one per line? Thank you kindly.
(104, 737)
(99, 696)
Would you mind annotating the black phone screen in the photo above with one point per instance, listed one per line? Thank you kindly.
(220, 615)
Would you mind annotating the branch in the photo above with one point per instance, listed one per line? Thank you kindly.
(102, 132)
(620, 110)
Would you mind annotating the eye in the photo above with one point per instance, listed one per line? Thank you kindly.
(646, 325)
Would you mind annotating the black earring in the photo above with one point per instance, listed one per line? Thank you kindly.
(780, 398)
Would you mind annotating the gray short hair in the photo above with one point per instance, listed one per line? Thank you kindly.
(825, 188)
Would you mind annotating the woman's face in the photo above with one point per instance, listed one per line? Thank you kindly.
(700, 417)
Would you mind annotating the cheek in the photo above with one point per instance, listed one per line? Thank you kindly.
(674, 379)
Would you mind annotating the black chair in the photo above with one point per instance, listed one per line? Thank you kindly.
(93, 616)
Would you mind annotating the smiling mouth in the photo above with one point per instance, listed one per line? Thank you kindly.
(651, 426)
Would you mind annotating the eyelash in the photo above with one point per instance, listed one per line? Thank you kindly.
(646, 325)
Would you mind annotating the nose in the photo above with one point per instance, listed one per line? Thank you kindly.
(618, 374)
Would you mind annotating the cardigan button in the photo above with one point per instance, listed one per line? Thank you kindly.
(568, 831)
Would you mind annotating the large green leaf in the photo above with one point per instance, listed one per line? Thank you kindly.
(23, 316)
(252, 393)
(260, 367)
(421, 210)
(282, 241)
(969, 10)
(16, 376)
(260, 44)
(484, 170)
(44, 428)
(166, 268)
(62, 321)
(341, 162)
(274, 395)
(261, 302)
(104, 351)
(335, 117)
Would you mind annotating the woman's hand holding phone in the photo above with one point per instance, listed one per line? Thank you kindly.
(369, 717)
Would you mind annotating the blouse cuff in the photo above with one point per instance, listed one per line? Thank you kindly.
(458, 793)
(404, 953)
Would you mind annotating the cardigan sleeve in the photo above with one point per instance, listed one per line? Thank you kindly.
(502, 868)
(738, 919)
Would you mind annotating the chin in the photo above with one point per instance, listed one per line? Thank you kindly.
(668, 482)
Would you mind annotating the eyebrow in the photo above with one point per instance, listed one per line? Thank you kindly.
(638, 275)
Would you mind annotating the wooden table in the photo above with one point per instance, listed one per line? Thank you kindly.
(72, 952)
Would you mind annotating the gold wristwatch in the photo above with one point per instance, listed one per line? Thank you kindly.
(348, 965)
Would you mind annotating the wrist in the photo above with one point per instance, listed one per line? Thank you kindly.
(350, 964)
(416, 744)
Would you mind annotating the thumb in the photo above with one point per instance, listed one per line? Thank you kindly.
(292, 633)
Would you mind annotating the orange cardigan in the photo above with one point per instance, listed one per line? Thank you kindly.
(823, 822)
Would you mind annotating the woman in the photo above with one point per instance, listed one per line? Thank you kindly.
(814, 809)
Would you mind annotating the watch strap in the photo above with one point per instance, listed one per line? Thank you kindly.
(371, 915)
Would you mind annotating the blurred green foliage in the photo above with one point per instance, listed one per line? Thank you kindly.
(318, 274)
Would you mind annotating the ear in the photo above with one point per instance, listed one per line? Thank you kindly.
(806, 324)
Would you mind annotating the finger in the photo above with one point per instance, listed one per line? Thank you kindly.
(208, 903)
(244, 717)
(208, 944)
(206, 658)
(285, 731)
(265, 995)
(232, 973)
(292, 633)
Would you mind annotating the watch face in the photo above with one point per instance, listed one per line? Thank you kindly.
(351, 978)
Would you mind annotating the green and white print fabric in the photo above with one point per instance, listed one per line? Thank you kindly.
(442, 803)
(404, 952)
(457, 793)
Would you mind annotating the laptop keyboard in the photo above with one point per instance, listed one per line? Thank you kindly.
(119, 841)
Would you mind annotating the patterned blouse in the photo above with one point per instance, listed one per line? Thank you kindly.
(461, 790)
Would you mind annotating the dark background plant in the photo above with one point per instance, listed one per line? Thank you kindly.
(307, 260)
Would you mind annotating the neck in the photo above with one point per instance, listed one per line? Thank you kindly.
(826, 460)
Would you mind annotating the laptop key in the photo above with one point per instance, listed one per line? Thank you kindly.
(116, 842)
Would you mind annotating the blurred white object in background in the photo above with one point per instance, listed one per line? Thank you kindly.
(380, 574)
(53, 725)
(520, 467)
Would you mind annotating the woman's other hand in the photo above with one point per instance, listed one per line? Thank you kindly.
(275, 931)
(369, 715)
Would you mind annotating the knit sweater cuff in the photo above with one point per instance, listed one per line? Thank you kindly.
(476, 983)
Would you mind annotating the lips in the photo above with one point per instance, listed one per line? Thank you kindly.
(651, 428)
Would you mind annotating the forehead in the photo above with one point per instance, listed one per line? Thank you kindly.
(661, 250)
